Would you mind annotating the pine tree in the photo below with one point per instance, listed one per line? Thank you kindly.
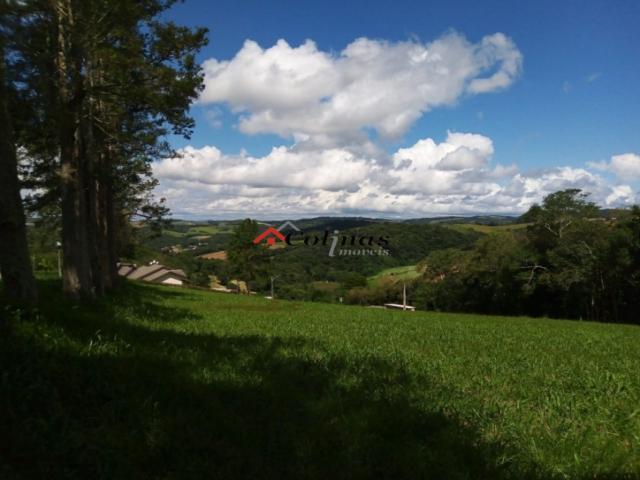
(15, 265)
(104, 81)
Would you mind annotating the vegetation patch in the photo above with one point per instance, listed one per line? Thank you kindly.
(160, 382)
(487, 229)
(407, 272)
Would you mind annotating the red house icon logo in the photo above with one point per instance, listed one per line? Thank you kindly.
(271, 235)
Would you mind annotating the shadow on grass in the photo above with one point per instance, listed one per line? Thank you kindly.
(172, 405)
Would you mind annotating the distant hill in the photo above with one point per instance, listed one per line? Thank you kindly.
(476, 219)
(320, 223)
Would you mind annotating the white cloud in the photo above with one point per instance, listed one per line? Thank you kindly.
(455, 176)
(621, 195)
(457, 165)
(334, 106)
(384, 86)
(331, 169)
(626, 166)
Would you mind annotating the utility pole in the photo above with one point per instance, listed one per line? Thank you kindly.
(273, 277)
(59, 247)
(404, 296)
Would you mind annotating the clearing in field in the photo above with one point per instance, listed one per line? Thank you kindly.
(406, 272)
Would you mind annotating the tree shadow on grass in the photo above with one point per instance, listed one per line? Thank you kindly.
(169, 405)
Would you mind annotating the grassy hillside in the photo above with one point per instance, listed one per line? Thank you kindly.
(406, 272)
(488, 229)
(170, 383)
(474, 219)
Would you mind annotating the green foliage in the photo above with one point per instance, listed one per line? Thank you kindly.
(564, 259)
(408, 243)
(570, 262)
(248, 261)
(352, 280)
(97, 87)
(559, 211)
(406, 272)
(160, 382)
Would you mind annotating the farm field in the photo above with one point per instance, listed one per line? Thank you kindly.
(406, 272)
(487, 229)
(197, 231)
(160, 382)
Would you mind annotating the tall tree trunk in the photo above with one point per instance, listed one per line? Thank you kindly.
(111, 226)
(76, 266)
(92, 209)
(91, 157)
(102, 233)
(102, 269)
(15, 265)
(106, 225)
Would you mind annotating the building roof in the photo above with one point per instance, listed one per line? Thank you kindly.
(141, 272)
(149, 273)
(165, 272)
(125, 268)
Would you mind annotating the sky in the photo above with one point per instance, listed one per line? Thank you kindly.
(407, 109)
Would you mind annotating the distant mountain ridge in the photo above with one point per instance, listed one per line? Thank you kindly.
(319, 223)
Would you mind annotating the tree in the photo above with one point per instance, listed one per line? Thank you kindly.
(104, 83)
(351, 280)
(560, 210)
(567, 235)
(15, 265)
(500, 272)
(248, 261)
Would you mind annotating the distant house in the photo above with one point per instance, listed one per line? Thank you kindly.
(154, 273)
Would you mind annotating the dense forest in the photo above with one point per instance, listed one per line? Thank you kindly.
(570, 262)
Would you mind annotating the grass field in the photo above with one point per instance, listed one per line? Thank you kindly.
(465, 227)
(197, 231)
(170, 383)
(207, 230)
(406, 272)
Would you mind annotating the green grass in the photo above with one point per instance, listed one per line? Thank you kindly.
(406, 272)
(207, 230)
(172, 233)
(465, 227)
(199, 230)
(170, 383)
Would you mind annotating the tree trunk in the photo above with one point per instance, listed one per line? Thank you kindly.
(76, 266)
(111, 225)
(103, 268)
(15, 264)
(90, 158)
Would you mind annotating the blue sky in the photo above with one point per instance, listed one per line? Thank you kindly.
(575, 99)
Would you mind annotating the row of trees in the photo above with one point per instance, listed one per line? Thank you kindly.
(570, 262)
(89, 91)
